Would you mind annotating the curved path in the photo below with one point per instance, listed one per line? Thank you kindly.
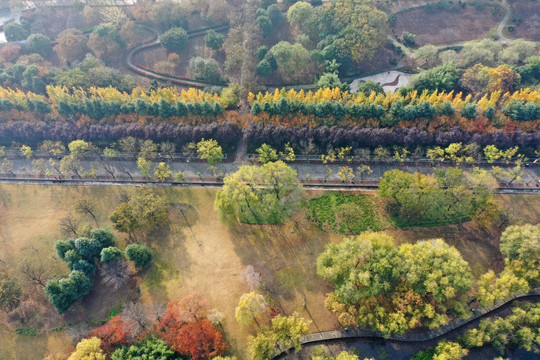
(500, 27)
(185, 81)
(503, 22)
(154, 42)
(322, 337)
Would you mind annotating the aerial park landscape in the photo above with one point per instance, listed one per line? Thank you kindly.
(261, 179)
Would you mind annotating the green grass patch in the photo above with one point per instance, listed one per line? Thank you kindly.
(346, 213)
(115, 310)
(289, 278)
(29, 331)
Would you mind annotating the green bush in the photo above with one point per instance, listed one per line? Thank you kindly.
(110, 254)
(64, 292)
(40, 44)
(150, 349)
(84, 266)
(104, 237)
(15, 32)
(140, 254)
(62, 247)
(174, 39)
(214, 40)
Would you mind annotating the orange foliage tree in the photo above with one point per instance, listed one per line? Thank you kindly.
(10, 52)
(200, 340)
(114, 334)
(185, 329)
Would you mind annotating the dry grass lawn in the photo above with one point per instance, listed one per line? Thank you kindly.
(443, 26)
(529, 13)
(209, 257)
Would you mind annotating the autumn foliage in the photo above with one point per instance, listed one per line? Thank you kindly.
(200, 340)
(114, 334)
(185, 329)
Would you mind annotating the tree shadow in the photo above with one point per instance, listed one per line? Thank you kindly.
(285, 255)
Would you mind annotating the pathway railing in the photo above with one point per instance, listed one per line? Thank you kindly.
(430, 335)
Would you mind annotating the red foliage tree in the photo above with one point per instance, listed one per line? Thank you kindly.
(200, 340)
(169, 325)
(114, 334)
(192, 308)
(10, 52)
(185, 329)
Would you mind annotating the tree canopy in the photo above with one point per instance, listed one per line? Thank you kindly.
(144, 210)
(393, 289)
(358, 26)
(293, 60)
(88, 349)
(15, 32)
(152, 348)
(450, 196)
(520, 244)
(214, 40)
(174, 39)
(266, 194)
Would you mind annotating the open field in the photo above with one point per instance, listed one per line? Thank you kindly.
(441, 26)
(208, 258)
(529, 13)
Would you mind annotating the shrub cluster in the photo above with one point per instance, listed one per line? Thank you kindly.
(81, 255)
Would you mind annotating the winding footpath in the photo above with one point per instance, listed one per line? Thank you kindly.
(322, 337)
(500, 28)
(186, 81)
(154, 42)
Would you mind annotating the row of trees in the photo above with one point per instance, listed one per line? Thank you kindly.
(308, 140)
(331, 106)
(227, 133)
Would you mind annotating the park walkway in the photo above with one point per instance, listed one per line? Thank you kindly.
(442, 332)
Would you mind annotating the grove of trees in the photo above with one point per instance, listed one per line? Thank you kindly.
(449, 196)
(393, 290)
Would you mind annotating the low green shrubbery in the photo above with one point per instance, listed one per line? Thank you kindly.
(345, 213)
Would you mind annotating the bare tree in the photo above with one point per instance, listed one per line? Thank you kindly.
(109, 168)
(115, 274)
(86, 206)
(69, 226)
(156, 310)
(78, 332)
(215, 316)
(136, 316)
(34, 273)
(251, 277)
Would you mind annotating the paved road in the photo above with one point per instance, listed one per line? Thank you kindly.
(315, 172)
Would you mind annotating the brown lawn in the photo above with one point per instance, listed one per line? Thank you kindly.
(442, 26)
(208, 258)
(529, 13)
